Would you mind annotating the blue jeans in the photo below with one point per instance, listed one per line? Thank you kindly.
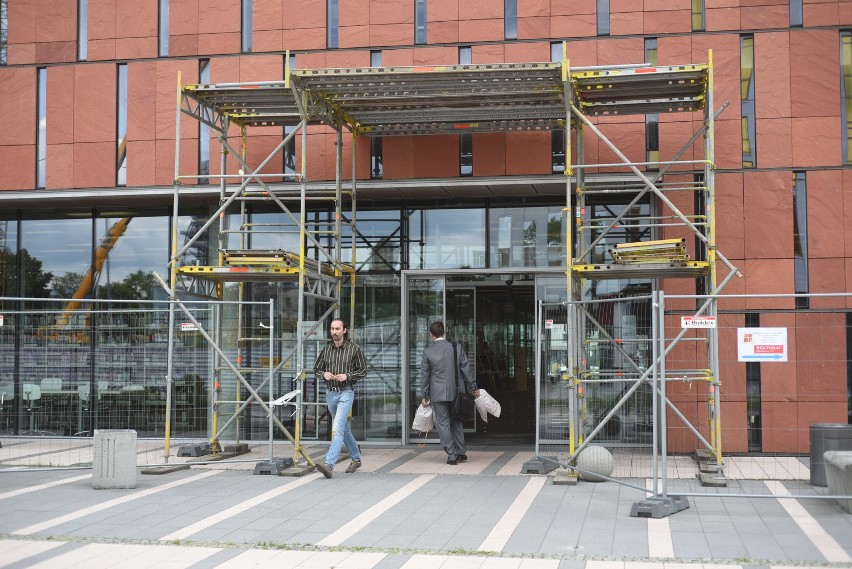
(339, 404)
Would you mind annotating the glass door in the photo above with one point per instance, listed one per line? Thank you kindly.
(424, 303)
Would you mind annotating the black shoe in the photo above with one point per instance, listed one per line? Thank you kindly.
(452, 461)
(462, 458)
(324, 468)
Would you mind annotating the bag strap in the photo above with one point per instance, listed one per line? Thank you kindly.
(456, 367)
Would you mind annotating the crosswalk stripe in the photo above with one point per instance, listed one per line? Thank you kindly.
(501, 532)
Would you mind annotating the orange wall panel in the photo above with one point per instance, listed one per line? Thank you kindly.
(436, 156)
(94, 164)
(528, 153)
(398, 157)
(18, 91)
(764, 17)
(667, 21)
(60, 98)
(18, 178)
(730, 219)
(60, 166)
(94, 109)
(814, 73)
(768, 276)
(825, 217)
(772, 75)
(481, 30)
(141, 100)
(768, 212)
(573, 26)
(141, 167)
(491, 147)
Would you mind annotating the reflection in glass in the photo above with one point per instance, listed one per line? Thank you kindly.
(526, 237)
(447, 239)
(121, 158)
(82, 30)
(41, 144)
(163, 29)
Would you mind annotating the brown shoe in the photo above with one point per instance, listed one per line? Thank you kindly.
(353, 466)
(324, 468)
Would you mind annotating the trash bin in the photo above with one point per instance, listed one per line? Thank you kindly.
(827, 436)
(114, 461)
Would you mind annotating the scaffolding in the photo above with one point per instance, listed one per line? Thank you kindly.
(451, 99)
(641, 242)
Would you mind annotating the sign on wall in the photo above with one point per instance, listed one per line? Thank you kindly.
(762, 344)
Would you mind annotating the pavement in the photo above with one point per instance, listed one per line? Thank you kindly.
(406, 508)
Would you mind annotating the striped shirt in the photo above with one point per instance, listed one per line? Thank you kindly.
(348, 359)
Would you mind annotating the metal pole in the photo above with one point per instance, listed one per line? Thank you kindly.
(655, 377)
(271, 328)
(661, 338)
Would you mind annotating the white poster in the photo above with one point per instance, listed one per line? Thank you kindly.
(762, 344)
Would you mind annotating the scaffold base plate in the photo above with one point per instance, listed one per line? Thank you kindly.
(539, 465)
(238, 448)
(565, 478)
(274, 466)
(658, 507)
(708, 466)
(702, 454)
(195, 450)
(297, 470)
(714, 479)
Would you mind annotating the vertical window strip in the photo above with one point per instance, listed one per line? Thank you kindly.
(846, 94)
(4, 31)
(603, 17)
(800, 238)
(121, 127)
(557, 137)
(749, 133)
(82, 30)
(163, 29)
(465, 55)
(420, 22)
(698, 16)
(652, 132)
(753, 394)
(796, 15)
(246, 26)
(331, 32)
(41, 143)
(849, 367)
(466, 154)
(203, 129)
(510, 19)
(376, 168)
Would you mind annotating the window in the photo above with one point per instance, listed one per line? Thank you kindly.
(420, 22)
(846, 94)
(376, 170)
(121, 130)
(603, 17)
(556, 52)
(753, 397)
(203, 129)
(796, 14)
(82, 30)
(800, 238)
(510, 19)
(749, 133)
(163, 31)
(652, 120)
(331, 24)
(698, 21)
(4, 30)
(557, 137)
(41, 142)
(245, 18)
(466, 154)
(465, 55)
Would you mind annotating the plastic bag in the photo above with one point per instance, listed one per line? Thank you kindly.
(423, 419)
(486, 404)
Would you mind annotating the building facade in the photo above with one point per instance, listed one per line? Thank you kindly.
(466, 227)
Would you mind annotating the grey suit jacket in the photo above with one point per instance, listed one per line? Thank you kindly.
(437, 378)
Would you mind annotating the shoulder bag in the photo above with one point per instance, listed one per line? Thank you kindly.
(463, 405)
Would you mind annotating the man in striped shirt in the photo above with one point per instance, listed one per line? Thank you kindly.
(341, 363)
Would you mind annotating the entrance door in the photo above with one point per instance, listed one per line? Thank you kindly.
(493, 318)
(423, 304)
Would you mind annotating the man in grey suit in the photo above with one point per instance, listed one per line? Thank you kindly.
(438, 387)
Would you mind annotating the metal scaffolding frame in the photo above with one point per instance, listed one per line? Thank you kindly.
(452, 99)
(629, 91)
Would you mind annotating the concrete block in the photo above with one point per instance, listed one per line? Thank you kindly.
(114, 463)
(838, 472)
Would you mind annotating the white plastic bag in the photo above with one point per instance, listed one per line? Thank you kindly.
(486, 404)
(423, 419)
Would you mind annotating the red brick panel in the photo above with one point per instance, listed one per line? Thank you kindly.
(816, 14)
(527, 52)
(94, 164)
(573, 26)
(768, 208)
(398, 157)
(825, 214)
(60, 166)
(721, 18)
(60, 98)
(437, 156)
(528, 153)
(308, 30)
(768, 276)
(491, 148)
(827, 275)
(730, 219)
(435, 56)
(815, 141)
(94, 109)
(772, 74)
(764, 17)
(813, 73)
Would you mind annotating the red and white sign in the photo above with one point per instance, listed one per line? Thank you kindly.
(187, 327)
(697, 321)
(762, 344)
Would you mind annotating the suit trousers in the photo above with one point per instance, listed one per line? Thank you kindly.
(450, 431)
